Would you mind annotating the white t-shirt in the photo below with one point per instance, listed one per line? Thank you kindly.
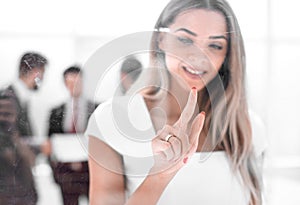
(207, 178)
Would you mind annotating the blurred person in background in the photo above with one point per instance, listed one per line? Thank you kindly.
(130, 70)
(31, 73)
(16, 181)
(70, 117)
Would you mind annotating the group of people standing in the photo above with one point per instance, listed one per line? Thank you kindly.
(16, 129)
(18, 156)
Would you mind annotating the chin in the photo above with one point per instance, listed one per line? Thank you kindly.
(198, 83)
(198, 86)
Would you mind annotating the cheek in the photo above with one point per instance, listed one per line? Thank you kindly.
(216, 64)
(70, 87)
(172, 64)
(219, 64)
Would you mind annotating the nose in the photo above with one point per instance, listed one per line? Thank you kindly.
(39, 75)
(198, 59)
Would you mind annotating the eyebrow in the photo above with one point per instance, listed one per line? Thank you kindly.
(218, 37)
(194, 34)
(187, 31)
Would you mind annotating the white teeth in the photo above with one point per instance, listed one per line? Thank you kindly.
(194, 72)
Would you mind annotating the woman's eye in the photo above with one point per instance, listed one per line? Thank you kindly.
(185, 41)
(215, 46)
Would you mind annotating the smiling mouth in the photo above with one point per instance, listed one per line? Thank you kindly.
(193, 72)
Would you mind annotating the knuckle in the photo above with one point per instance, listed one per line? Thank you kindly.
(155, 141)
(178, 151)
(166, 146)
(176, 141)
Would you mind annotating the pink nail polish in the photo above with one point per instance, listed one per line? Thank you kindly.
(185, 160)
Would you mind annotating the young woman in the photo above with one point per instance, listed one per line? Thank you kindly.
(197, 64)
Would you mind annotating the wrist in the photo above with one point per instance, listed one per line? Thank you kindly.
(164, 175)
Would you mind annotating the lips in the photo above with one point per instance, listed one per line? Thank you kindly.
(193, 72)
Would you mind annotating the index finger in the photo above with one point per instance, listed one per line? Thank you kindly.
(189, 108)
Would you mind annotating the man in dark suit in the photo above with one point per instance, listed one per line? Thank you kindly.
(16, 179)
(71, 117)
(31, 72)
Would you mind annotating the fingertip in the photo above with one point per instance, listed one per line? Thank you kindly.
(194, 90)
(199, 120)
(201, 116)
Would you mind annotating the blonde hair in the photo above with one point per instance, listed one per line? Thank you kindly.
(227, 121)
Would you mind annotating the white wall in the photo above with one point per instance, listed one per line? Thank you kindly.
(68, 32)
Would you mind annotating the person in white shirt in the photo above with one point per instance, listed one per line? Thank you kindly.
(182, 135)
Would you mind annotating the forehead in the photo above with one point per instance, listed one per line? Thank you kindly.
(38, 69)
(72, 76)
(201, 21)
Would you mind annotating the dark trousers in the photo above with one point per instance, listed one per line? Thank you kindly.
(72, 183)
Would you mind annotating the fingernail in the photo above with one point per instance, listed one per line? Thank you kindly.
(194, 88)
(185, 160)
(203, 113)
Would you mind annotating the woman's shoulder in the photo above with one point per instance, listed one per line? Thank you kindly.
(101, 112)
(124, 124)
(124, 104)
(121, 113)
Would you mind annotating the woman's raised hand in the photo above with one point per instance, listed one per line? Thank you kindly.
(174, 144)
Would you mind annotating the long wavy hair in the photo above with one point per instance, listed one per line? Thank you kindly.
(227, 123)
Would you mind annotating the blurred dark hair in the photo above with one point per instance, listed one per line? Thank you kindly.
(131, 66)
(31, 60)
(73, 70)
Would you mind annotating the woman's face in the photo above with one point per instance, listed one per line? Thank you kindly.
(195, 46)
